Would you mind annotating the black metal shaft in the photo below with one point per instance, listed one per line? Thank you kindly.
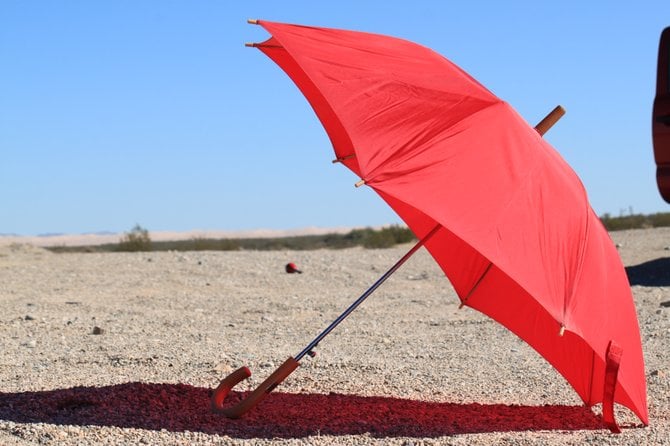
(365, 295)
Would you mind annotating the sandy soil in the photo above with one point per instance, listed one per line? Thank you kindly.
(123, 348)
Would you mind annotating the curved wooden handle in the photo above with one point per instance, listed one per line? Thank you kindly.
(254, 397)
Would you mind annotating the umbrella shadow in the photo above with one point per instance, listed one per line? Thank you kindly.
(652, 273)
(179, 408)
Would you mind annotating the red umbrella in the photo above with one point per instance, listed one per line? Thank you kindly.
(504, 216)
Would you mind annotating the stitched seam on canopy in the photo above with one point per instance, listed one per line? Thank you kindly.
(580, 263)
(578, 276)
(526, 178)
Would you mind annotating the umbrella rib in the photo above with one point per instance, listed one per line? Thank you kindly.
(343, 158)
(542, 127)
(593, 366)
(472, 290)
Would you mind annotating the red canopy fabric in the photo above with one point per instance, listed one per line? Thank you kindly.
(518, 238)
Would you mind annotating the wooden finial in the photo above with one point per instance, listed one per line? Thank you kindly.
(562, 331)
(360, 183)
(250, 44)
(552, 118)
(252, 21)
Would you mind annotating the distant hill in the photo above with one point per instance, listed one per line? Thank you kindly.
(296, 239)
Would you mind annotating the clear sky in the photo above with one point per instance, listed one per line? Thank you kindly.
(118, 112)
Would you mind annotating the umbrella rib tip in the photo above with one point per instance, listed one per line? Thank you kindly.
(341, 159)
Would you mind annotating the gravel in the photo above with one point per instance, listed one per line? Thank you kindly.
(123, 348)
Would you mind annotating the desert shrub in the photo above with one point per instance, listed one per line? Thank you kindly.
(381, 238)
(635, 221)
(208, 244)
(137, 239)
(660, 220)
(401, 234)
(378, 240)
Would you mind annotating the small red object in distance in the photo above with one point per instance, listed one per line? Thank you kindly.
(291, 268)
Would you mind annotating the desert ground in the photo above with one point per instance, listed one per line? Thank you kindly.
(123, 348)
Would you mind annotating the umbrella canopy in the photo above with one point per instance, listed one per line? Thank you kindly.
(517, 237)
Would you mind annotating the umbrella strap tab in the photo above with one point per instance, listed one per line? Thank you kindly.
(613, 360)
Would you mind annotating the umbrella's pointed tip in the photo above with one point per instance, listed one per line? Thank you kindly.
(252, 21)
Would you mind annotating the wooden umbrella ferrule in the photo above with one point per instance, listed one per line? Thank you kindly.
(561, 332)
(552, 118)
(360, 183)
(250, 44)
(252, 21)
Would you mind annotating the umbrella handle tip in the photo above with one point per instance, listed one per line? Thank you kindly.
(237, 410)
(226, 385)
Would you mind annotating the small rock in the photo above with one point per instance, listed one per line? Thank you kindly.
(29, 318)
(97, 330)
(223, 367)
(658, 373)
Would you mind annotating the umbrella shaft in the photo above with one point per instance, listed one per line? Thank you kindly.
(365, 295)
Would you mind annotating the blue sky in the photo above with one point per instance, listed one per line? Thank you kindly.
(114, 113)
